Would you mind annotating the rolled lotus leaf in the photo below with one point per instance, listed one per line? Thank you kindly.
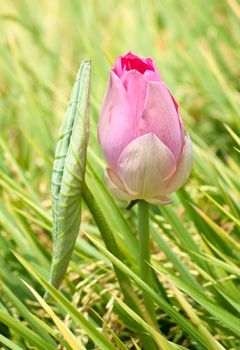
(68, 174)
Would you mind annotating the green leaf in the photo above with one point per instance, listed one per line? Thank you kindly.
(68, 174)
(233, 134)
(162, 303)
(220, 207)
(217, 229)
(9, 343)
(162, 343)
(87, 326)
(75, 343)
(25, 332)
(228, 319)
(36, 324)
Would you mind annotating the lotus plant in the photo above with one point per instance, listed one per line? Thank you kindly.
(141, 134)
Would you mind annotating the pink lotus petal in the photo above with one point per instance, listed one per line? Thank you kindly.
(116, 128)
(117, 69)
(116, 186)
(160, 117)
(182, 172)
(136, 97)
(134, 62)
(160, 200)
(151, 76)
(144, 164)
(184, 167)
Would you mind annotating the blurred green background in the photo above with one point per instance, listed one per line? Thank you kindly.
(196, 45)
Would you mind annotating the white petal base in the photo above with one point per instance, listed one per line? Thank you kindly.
(184, 167)
(116, 186)
(144, 164)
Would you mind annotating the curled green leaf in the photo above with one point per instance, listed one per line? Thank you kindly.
(68, 174)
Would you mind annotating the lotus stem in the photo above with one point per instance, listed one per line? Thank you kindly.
(145, 271)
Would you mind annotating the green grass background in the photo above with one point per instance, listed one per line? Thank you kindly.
(195, 241)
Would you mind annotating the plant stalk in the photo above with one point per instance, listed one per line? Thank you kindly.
(145, 270)
(130, 296)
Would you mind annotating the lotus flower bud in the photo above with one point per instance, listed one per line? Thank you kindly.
(141, 133)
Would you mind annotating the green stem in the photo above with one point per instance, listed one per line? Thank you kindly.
(145, 270)
(111, 245)
(130, 296)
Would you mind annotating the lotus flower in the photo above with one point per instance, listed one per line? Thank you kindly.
(141, 133)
